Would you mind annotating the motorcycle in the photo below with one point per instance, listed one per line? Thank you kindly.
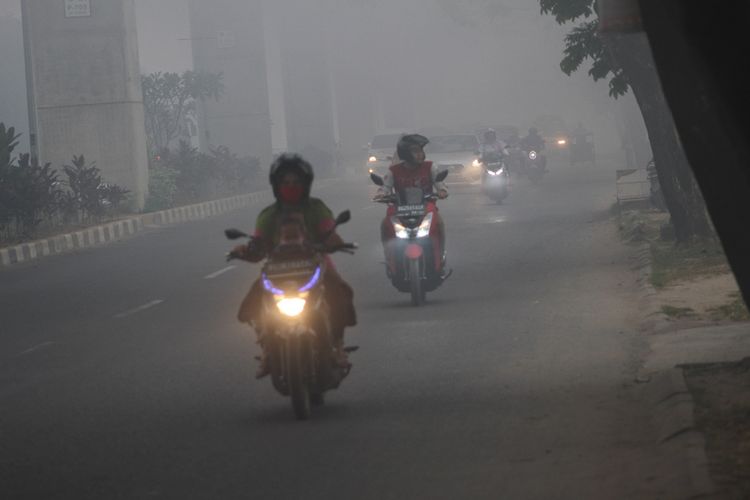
(495, 177)
(295, 321)
(415, 257)
(535, 165)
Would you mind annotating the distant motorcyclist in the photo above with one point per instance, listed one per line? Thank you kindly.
(291, 178)
(580, 134)
(533, 141)
(412, 170)
(491, 144)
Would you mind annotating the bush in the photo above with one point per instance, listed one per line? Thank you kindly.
(162, 188)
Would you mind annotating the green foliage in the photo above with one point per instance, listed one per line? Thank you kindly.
(37, 193)
(566, 11)
(162, 188)
(168, 96)
(235, 174)
(583, 44)
(84, 181)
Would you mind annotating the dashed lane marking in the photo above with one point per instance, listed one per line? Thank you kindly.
(39, 347)
(139, 309)
(219, 272)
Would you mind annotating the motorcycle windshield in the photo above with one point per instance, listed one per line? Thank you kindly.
(411, 196)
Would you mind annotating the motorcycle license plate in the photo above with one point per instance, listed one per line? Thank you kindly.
(409, 211)
(290, 266)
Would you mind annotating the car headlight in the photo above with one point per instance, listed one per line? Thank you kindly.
(561, 142)
(532, 155)
(291, 307)
(424, 228)
(476, 163)
(372, 159)
(401, 231)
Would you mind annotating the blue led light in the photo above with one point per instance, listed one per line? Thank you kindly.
(313, 281)
(269, 286)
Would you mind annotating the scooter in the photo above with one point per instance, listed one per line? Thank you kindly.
(495, 177)
(535, 165)
(415, 257)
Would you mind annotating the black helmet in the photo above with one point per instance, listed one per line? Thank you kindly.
(490, 135)
(286, 163)
(406, 142)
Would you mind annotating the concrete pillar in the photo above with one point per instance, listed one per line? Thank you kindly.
(308, 95)
(86, 87)
(227, 38)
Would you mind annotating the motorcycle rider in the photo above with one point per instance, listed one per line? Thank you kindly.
(291, 178)
(534, 142)
(411, 170)
(491, 144)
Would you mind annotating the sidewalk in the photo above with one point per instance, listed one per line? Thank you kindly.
(696, 376)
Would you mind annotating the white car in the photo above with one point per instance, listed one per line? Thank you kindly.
(380, 153)
(456, 153)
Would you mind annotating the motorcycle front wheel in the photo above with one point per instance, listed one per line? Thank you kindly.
(299, 380)
(417, 293)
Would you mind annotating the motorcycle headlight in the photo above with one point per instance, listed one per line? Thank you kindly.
(476, 163)
(291, 307)
(562, 142)
(498, 172)
(424, 228)
(399, 229)
(532, 155)
(372, 159)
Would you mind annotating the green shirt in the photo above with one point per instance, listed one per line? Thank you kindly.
(318, 220)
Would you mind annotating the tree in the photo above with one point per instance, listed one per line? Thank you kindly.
(168, 96)
(626, 60)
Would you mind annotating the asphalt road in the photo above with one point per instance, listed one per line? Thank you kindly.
(124, 374)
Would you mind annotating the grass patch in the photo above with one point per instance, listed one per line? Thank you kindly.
(640, 226)
(736, 310)
(673, 263)
(678, 312)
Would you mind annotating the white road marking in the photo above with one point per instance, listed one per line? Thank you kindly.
(139, 309)
(43, 345)
(219, 272)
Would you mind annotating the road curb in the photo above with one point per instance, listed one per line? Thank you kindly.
(674, 420)
(110, 232)
(125, 228)
(667, 394)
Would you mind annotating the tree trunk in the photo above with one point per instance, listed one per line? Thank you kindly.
(681, 194)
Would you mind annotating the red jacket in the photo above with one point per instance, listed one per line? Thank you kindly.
(420, 177)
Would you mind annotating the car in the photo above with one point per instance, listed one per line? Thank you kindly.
(554, 131)
(380, 153)
(456, 153)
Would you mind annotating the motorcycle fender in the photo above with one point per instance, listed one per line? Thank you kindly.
(414, 251)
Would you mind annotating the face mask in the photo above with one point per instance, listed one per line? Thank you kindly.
(291, 195)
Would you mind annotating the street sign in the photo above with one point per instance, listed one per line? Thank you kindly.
(77, 8)
(226, 39)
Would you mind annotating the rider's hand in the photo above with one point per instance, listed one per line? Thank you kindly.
(442, 194)
(238, 252)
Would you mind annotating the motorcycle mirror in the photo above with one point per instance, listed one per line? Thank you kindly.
(343, 217)
(234, 234)
(441, 176)
(377, 179)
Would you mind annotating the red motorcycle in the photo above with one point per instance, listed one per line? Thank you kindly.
(414, 245)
